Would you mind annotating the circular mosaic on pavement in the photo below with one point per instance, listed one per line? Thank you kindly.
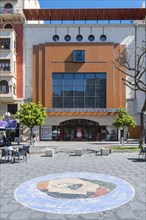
(74, 193)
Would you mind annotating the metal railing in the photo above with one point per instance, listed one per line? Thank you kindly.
(7, 11)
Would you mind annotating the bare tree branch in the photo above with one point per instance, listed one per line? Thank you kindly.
(122, 64)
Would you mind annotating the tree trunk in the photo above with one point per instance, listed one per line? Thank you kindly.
(122, 136)
(143, 123)
(31, 135)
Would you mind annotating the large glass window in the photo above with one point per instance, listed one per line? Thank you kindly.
(4, 87)
(12, 108)
(4, 65)
(4, 43)
(79, 90)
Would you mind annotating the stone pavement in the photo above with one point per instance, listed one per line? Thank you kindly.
(122, 165)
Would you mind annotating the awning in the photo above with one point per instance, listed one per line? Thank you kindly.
(6, 125)
(86, 14)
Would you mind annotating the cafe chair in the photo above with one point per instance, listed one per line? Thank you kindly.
(8, 153)
(26, 147)
(23, 152)
(142, 152)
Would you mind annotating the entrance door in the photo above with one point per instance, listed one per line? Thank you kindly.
(89, 134)
(78, 130)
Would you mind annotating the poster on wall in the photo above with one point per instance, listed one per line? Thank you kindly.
(111, 134)
(79, 133)
(46, 133)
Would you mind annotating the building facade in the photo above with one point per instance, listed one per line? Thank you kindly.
(66, 63)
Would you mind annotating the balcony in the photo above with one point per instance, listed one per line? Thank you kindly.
(9, 97)
(11, 14)
(6, 11)
(7, 92)
(4, 65)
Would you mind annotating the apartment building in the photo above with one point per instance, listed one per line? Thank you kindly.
(12, 72)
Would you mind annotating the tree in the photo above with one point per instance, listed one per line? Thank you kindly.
(122, 120)
(136, 76)
(30, 115)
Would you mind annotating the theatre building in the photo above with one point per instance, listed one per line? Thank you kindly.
(68, 57)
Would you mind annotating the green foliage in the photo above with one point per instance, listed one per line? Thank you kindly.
(123, 119)
(32, 114)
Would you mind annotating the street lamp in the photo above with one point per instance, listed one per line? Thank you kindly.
(144, 127)
(17, 134)
(7, 118)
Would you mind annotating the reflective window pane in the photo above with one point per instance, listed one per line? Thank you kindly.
(68, 102)
(68, 79)
(79, 90)
(57, 91)
(89, 102)
(57, 79)
(57, 102)
(100, 102)
(79, 102)
(100, 77)
(90, 90)
(68, 90)
(79, 79)
(90, 78)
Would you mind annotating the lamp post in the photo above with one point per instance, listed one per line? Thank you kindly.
(7, 118)
(17, 134)
(144, 127)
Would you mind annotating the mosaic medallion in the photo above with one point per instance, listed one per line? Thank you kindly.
(74, 193)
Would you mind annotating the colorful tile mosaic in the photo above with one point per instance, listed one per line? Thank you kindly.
(74, 193)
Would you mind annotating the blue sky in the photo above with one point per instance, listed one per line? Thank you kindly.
(90, 3)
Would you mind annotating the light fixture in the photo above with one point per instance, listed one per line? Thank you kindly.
(67, 37)
(91, 37)
(103, 36)
(55, 37)
(79, 37)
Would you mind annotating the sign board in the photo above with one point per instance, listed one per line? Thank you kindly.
(46, 133)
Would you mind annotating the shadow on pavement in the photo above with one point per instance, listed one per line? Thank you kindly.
(137, 159)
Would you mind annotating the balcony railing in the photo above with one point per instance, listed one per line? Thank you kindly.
(6, 68)
(7, 11)
(8, 97)
(8, 92)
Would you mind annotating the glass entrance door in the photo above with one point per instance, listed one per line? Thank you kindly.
(78, 130)
(89, 134)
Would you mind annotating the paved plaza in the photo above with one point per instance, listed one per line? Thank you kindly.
(124, 166)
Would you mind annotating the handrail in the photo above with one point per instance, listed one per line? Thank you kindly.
(6, 11)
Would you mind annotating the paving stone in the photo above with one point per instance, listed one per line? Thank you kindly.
(141, 213)
(120, 165)
(137, 205)
(8, 207)
(126, 214)
(19, 215)
(4, 216)
(37, 215)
